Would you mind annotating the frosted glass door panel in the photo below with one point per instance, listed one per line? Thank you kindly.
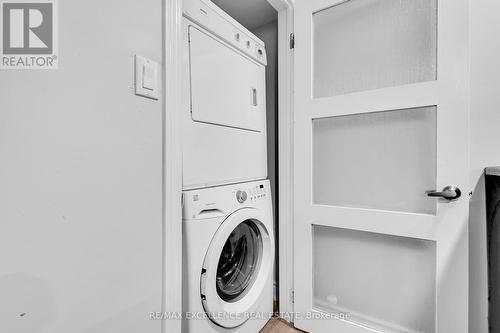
(384, 282)
(369, 44)
(381, 160)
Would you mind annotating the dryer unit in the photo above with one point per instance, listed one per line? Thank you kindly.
(224, 109)
(228, 258)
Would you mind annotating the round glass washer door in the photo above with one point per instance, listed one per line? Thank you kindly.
(237, 268)
(239, 261)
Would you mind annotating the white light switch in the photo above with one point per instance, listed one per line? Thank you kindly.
(146, 77)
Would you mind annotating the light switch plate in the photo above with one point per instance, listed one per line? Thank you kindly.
(146, 77)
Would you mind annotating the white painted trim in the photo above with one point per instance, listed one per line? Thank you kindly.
(172, 164)
(281, 5)
(285, 155)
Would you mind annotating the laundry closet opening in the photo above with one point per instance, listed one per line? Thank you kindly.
(261, 19)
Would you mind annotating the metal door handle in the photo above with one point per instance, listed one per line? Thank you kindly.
(448, 193)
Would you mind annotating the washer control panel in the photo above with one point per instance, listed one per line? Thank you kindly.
(253, 193)
(216, 202)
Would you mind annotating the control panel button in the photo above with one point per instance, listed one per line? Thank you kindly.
(241, 196)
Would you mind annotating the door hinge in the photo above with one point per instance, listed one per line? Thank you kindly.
(292, 41)
(293, 296)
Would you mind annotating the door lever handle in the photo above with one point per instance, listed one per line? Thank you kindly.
(448, 193)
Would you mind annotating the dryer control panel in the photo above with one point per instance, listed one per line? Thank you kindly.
(214, 19)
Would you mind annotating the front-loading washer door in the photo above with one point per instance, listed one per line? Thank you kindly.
(227, 87)
(237, 268)
(239, 261)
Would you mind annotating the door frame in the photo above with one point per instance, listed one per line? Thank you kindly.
(172, 160)
(171, 299)
(285, 157)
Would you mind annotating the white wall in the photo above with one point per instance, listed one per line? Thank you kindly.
(485, 140)
(80, 179)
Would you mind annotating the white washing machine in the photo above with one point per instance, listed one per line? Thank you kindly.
(224, 103)
(228, 258)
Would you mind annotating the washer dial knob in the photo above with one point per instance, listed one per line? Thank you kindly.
(241, 196)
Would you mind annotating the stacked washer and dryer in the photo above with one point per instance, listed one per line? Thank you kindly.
(227, 211)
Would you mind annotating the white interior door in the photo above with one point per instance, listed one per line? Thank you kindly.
(381, 118)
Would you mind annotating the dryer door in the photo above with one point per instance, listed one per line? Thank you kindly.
(237, 269)
(227, 87)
